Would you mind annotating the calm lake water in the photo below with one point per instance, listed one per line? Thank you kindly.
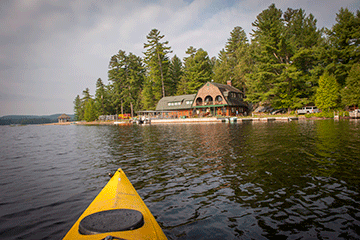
(277, 180)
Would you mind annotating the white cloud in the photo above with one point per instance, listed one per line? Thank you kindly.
(53, 50)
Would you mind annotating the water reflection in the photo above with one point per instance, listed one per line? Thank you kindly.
(201, 181)
(247, 180)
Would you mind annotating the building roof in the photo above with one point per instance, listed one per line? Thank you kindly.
(175, 102)
(63, 116)
(226, 88)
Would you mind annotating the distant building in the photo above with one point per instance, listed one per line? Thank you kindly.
(63, 118)
(220, 99)
(212, 99)
(176, 106)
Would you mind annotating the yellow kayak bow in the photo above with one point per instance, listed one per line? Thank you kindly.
(118, 212)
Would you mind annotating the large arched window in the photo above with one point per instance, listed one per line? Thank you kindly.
(208, 100)
(218, 99)
(199, 101)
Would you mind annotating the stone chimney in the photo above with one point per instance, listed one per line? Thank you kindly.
(229, 82)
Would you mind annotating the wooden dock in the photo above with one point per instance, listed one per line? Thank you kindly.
(225, 119)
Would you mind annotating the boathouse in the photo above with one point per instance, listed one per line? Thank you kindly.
(212, 99)
(219, 99)
(63, 118)
(176, 106)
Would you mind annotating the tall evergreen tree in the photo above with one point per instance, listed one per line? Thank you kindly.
(197, 70)
(78, 108)
(86, 95)
(269, 56)
(126, 72)
(283, 51)
(297, 81)
(175, 73)
(234, 61)
(223, 71)
(327, 95)
(90, 113)
(350, 95)
(101, 98)
(157, 63)
(344, 40)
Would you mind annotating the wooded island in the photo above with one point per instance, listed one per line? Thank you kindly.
(288, 63)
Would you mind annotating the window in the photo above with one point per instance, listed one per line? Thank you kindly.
(208, 100)
(174, 103)
(218, 98)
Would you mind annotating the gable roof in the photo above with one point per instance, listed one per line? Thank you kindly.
(225, 87)
(63, 116)
(175, 102)
(228, 92)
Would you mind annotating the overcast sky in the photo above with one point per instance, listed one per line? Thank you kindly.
(50, 51)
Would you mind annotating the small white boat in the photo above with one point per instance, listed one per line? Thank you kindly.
(355, 113)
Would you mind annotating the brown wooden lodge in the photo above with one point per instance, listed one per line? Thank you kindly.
(212, 99)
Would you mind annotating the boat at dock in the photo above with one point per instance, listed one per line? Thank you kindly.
(117, 212)
(355, 113)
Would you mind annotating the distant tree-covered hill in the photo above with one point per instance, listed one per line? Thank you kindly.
(30, 119)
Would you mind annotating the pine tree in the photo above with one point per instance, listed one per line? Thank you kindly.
(86, 95)
(223, 71)
(283, 50)
(350, 95)
(327, 95)
(90, 113)
(175, 73)
(269, 55)
(197, 70)
(157, 63)
(126, 72)
(101, 98)
(344, 40)
(77, 108)
(234, 61)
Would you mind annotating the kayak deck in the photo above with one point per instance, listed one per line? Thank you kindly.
(117, 211)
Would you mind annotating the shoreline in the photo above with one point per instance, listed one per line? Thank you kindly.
(199, 120)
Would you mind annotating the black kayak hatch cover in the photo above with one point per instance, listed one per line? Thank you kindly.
(111, 221)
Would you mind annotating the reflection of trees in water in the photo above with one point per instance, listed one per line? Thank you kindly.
(337, 151)
(270, 178)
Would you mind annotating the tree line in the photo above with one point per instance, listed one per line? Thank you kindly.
(288, 63)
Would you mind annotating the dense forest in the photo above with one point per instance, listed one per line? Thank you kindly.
(287, 63)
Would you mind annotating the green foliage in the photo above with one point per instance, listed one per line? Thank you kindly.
(79, 104)
(234, 62)
(197, 71)
(327, 95)
(351, 92)
(102, 101)
(344, 41)
(288, 64)
(126, 72)
(157, 65)
(90, 113)
(77, 108)
(175, 74)
(284, 60)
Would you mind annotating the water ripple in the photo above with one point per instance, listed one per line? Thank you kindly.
(295, 180)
